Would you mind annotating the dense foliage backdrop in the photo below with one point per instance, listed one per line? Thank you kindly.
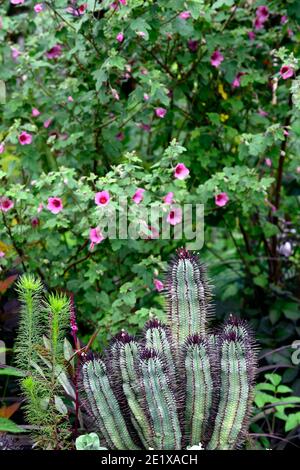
(100, 96)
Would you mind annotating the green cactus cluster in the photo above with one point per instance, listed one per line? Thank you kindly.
(181, 384)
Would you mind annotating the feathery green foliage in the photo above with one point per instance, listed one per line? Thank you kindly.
(182, 384)
(39, 353)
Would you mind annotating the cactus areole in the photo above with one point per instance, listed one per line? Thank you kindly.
(181, 385)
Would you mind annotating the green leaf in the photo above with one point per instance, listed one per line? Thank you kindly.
(265, 386)
(262, 398)
(261, 280)
(291, 311)
(12, 372)
(283, 389)
(6, 425)
(221, 3)
(275, 379)
(100, 76)
(270, 229)
(292, 421)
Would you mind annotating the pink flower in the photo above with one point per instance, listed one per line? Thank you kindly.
(298, 169)
(286, 72)
(70, 99)
(181, 171)
(175, 216)
(38, 7)
(251, 35)
(258, 23)
(154, 232)
(263, 113)
(145, 127)
(81, 9)
(221, 199)
(54, 205)
(2, 147)
(54, 52)
(184, 15)
(216, 58)
(102, 198)
(15, 53)
(290, 32)
(283, 19)
(35, 112)
(47, 123)
(193, 45)
(120, 37)
(34, 222)
(115, 94)
(262, 12)
(40, 207)
(123, 2)
(25, 138)
(6, 204)
(138, 195)
(237, 81)
(268, 162)
(17, 2)
(168, 199)
(159, 286)
(120, 136)
(160, 112)
(2, 254)
(141, 34)
(95, 237)
(146, 97)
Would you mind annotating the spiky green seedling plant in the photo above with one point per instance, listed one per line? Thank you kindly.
(182, 384)
(44, 320)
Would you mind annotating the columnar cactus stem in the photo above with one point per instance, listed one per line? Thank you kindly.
(236, 386)
(199, 389)
(188, 299)
(161, 403)
(157, 339)
(133, 389)
(105, 407)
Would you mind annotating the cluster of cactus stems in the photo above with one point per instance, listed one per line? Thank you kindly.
(182, 384)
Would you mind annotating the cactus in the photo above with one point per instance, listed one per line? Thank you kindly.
(182, 384)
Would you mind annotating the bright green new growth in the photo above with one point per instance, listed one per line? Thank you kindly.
(180, 385)
(39, 353)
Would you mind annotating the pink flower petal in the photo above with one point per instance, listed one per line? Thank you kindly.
(138, 195)
(6, 204)
(221, 199)
(160, 112)
(55, 205)
(286, 72)
(168, 199)
(102, 198)
(175, 216)
(159, 286)
(216, 58)
(181, 171)
(25, 138)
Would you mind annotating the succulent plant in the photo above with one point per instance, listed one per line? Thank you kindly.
(182, 384)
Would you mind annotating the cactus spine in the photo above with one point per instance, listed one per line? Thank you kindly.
(182, 384)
